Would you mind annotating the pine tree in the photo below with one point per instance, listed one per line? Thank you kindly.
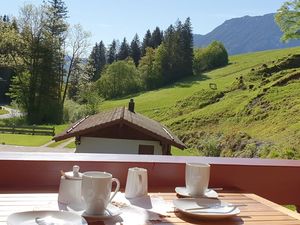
(101, 58)
(97, 61)
(156, 37)
(112, 52)
(57, 13)
(56, 27)
(146, 42)
(135, 50)
(124, 51)
(6, 19)
(74, 88)
(187, 47)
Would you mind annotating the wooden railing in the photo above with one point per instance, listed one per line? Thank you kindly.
(277, 180)
(34, 130)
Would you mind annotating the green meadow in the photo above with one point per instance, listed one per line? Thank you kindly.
(261, 116)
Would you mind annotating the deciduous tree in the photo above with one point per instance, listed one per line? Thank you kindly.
(288, 19)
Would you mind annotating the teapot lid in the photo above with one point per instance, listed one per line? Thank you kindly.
(74, 175)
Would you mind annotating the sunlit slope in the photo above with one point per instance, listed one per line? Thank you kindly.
(257, 94)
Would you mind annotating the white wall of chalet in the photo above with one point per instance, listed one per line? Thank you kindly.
(117, 146)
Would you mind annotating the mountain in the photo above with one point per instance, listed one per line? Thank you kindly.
(246, 34)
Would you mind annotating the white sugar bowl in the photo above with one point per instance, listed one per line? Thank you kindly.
(70, 186)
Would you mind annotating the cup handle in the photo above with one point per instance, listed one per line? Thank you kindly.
(116, 190)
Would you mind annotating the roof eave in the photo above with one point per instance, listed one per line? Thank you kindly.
(85, 131)
(159, 137)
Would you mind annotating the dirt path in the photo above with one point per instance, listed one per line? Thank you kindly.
(12, 113)
(12, 148)
(62, 145)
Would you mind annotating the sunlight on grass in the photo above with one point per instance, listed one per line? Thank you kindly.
(71, 145)
(24, 140)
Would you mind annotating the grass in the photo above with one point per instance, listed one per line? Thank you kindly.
(31, 140)
(71, 145)
(55, 144)
(273, 119)
(24, 140)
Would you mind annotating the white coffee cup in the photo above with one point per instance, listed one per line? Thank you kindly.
(137, 183)
(96, 190)
(197, 178)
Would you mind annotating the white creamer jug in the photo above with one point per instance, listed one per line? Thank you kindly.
(137, 183)
(70, 187)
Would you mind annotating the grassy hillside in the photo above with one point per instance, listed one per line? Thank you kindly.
(253, 112)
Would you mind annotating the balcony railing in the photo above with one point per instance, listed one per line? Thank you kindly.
(277, 180)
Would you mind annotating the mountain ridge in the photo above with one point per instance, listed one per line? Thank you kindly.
(262, 33)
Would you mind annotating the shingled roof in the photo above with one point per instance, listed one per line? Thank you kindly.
(121, 115)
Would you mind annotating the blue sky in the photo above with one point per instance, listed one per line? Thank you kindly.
(111, 19)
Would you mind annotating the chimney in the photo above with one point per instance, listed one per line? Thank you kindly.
(131, 105)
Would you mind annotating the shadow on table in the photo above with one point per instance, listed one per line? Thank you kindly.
(236, 220)
(143, 202)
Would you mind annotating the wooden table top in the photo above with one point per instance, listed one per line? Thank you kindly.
(255, 210)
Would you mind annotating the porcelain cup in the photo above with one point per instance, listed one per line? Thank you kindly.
(137, 183)
(197, 178)
(96, 191)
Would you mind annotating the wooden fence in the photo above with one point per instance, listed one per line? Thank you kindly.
(33, 130)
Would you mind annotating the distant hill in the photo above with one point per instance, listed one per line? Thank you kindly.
(246, 34)
(253, 111)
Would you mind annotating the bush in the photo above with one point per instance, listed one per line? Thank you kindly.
(119, 79)
(74, 111)
(211, 148)
(211, 57)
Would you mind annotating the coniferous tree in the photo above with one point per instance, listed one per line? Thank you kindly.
(176, 54)
(6, 19)
(187, 46)
(57, 13)
(97, 61)
(101, 59)
(135, 50)
(146, 42)
(156, 37)
(124, 50)
(73, 90)
(112, 52)
(56, 26)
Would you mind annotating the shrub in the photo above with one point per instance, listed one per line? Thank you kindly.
(119, 79)
(211, 57)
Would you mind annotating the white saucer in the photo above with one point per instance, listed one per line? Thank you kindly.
(110, 211)
(206, 208)
(209, 193)
(43, 217)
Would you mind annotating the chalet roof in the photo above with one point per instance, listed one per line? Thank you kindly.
(121, 115)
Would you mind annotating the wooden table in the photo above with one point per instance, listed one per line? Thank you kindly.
(255, 210)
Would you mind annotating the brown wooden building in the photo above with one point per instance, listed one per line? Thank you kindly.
(121, 131)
